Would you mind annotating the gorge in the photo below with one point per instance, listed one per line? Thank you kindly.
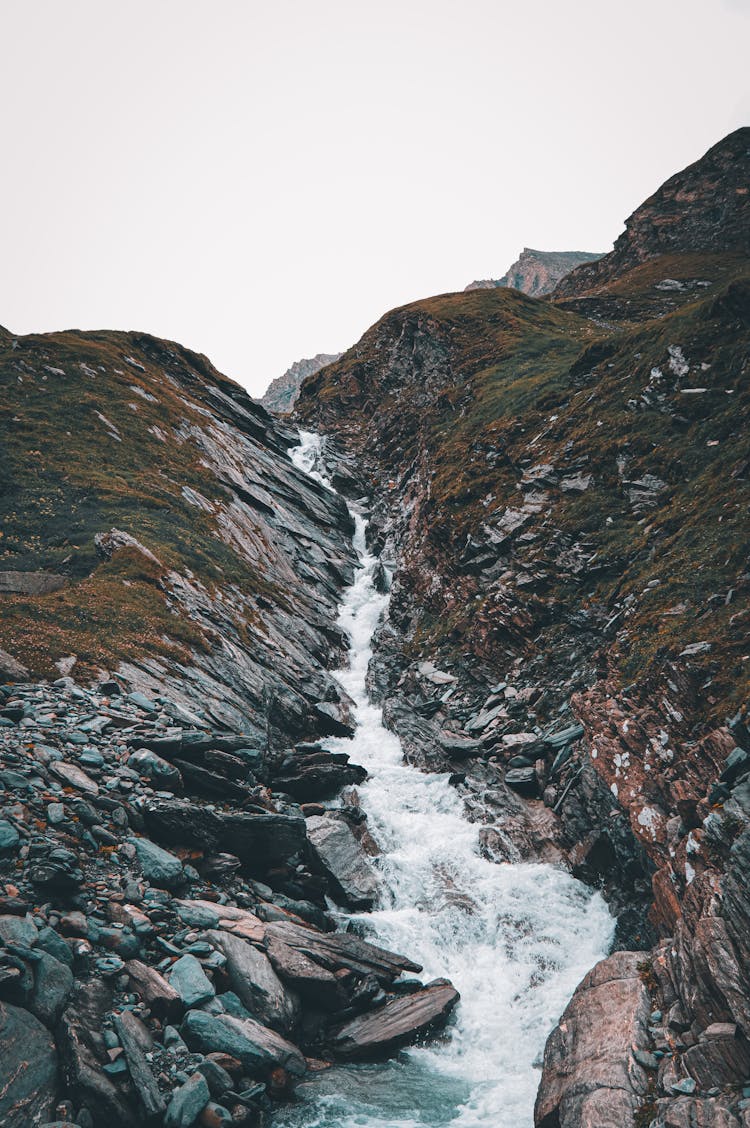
(312, 723)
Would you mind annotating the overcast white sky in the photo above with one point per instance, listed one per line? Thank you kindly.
(262, 179)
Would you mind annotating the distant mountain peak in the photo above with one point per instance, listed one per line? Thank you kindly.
(537, 272)
(281, 393)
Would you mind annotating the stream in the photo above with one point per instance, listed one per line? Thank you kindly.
(515, 939)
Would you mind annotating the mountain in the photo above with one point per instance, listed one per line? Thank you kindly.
(283, 391)
(562, 489)
(537, 272)
(549, 500)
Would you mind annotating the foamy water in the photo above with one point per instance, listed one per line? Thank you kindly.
(515, 939)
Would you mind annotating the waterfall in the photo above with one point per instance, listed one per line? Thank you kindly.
(515, 939)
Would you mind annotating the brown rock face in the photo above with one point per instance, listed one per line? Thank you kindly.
(705, 208)
(590, 1078)
(536, 272)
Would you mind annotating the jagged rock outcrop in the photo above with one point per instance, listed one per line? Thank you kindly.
(702, 210)
(166, 536)
(281, 394)
(537, 272)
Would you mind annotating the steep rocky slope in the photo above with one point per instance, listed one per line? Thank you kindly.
(565, 501)
(536, 272)
(165, 858)
(282, 392)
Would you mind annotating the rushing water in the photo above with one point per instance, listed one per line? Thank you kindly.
(515, 939)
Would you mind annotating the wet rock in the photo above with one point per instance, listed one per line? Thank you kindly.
(53, 983)
(333, 719)
(187, 1102)
(314, 984)
(590, 1077)
(259, 1049)
(159, 866)
(340, 856)
(254, 981)
(191, 983)
(398, 1023)
(259, 840)
(28, 1084)
(158, 995)
(523, 780)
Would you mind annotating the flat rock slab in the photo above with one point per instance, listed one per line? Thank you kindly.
(258, 840)
(28, 1086)
(342, 859)
(399, 1023)
(337, 950)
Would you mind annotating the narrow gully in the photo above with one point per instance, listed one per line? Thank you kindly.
(515, 939)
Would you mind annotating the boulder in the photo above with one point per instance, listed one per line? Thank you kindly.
(187, 1102)
(28, 1084)
(159, 866)
(590, 1078)
(400, 1022)
(256, 984)
(260, 841)
(259, 1049)
(53, 983)
(340, 856)
(159, 996)
(190, 981)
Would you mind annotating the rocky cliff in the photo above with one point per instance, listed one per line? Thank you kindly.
(564, 497)
(282, 392)
(537, 272)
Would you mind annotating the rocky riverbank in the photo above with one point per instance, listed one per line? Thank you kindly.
(568, 619)
(166, 954)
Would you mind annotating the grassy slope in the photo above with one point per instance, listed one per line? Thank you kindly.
(530, 384)
(64, 478)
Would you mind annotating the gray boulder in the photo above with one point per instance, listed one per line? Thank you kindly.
(28, 1086)
(340, 856)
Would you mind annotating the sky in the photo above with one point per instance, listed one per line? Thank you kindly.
(261, 181)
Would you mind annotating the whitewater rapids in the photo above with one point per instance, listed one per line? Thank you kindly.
(515, 939)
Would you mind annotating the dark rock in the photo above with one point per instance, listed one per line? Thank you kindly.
(53, 983)
(253, 979)
(28, 1084)
(259, 1049)
(400, 1022)
(187, 1102)
(339, 855)
(524, 781)
(160, 996)
(191, 983)
(159, 866)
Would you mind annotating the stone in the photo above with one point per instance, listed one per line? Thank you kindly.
(259, 1049)
(187, 1102)
(9, 836)
(400, 1022)
(159, 996)
(159, 866)
(589, 1076)
(340, 856)
(28, 1083)
(523, 780)
(73, 776)
(314, 984)
(256, 984)
(53, 983)
(191, 983)
(136, 1043)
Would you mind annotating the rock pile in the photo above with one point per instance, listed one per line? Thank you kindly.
(166, 952)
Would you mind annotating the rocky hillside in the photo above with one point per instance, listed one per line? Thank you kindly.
(169, 592)
(563, 491)
(282, 392)
(537, 272)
